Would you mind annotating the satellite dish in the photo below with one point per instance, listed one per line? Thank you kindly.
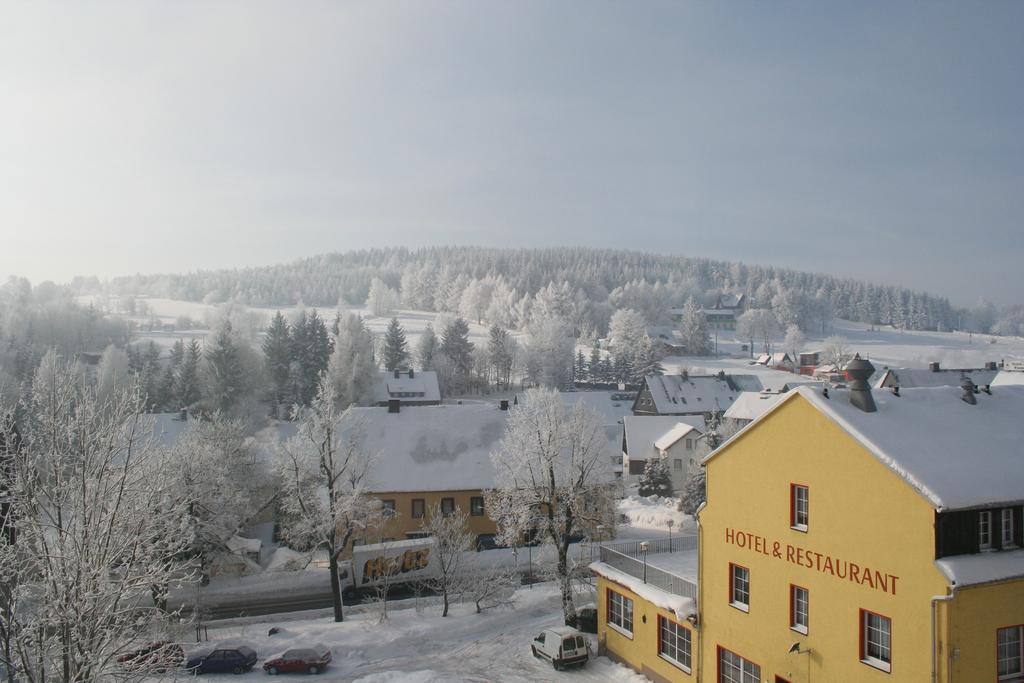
(795, 647)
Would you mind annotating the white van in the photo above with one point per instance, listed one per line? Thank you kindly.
(562, 646)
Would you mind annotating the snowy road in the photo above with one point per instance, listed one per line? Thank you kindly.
(421, 647)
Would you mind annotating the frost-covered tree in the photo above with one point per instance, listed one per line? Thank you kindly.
(426, 348)
(694, 491)
(552, 477)
(168, 395)
(794, 342)
(112, 373)
(324, 472)
(452, 539)
(458, 351)
(693, 328)
(352, 372)
(226, 379)
(186, 382)
(94, 532)
(501, 352)
(646, 361)
(656, 479)
(396, 349)
(835, 351)
(549, 353)
(382, 299)
(758, 325)
(476, 297)
(277, 352)
(594, 371)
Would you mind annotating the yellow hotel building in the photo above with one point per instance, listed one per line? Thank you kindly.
(848, 536)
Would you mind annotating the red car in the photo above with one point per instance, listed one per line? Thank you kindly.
(311, 660)
(157, 657)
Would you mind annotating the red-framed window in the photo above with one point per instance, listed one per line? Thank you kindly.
(739, 587)
(799, 506)
(675, 643)
(876, 640)
(732, 668)
(1010, 653)
(799, 608)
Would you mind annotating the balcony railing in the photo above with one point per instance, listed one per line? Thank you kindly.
(628, 558)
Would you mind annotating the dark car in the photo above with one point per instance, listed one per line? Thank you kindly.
(309, 660)
(159, 656)
(235, 659)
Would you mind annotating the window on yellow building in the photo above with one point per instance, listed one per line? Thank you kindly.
(476, 506)
(739, 587)
(735, 669)
(985, 530)
(799, 506)
(620, 613)
(388, 508)
(447, 506)
(674, 643)
(876, 640)
(1007, 528)
(1010, 653)
(799, 608)
(418, 508)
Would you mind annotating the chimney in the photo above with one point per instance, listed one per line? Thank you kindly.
(858, 370)
(934, 366)
(184, 415)
(397, 373)
(991, 365)
(968, 386)
(412, 374)
(504, 404)
(394, 405)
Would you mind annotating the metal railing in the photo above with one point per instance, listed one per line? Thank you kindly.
(654, 546)
(653, 576)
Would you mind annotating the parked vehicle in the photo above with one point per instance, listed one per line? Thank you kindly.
(398, 562)
(158, 657)
(223, 659)
(586, 619)
(310, 660)
(563, 646)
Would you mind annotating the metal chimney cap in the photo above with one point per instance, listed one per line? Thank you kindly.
(859, 368)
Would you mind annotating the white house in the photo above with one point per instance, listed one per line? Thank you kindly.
(649, 437)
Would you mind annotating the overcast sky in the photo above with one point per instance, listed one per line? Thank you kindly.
(873, 139)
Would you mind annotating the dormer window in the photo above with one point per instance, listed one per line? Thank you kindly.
(985, 530)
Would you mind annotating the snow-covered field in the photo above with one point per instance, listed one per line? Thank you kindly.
(417, 644)
(654, 513)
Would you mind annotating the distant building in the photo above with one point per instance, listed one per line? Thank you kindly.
(722, 314)
(612, 406)
(779, 360)
(408, 387)
(652, 437)
(687, 394)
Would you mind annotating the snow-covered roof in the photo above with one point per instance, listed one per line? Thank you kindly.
(674, 394)
(611, 405)
(669, 438)
(914, 378)
(776, 358)
(433, 448)
(167, 427)
(1007, 378)
(955, 454)
(644, 431)
(752, 404)
(422, 386)
(972, 570)
(238, 544)
(680, 563)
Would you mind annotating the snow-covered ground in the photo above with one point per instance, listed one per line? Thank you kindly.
(653, 514)
(417, 644)
(883, 346)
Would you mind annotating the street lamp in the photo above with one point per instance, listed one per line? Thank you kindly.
(671, 523)
(643, 552)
